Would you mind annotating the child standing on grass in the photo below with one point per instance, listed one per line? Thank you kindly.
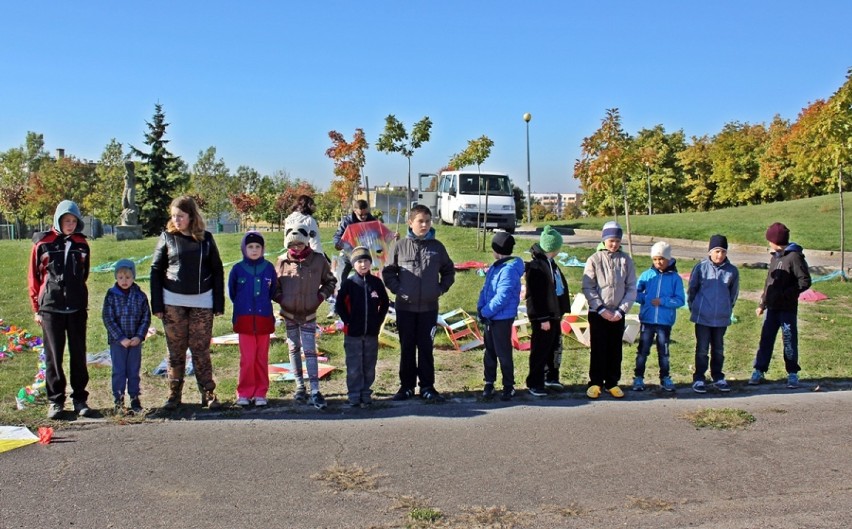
(252, 286)
(547, 300)
(420, 271)
(362, 304)
(58, 270)
(126, 317)
(304, 282)
(609, 284)
(788, 277)
(659, 294)
(497, 308)
(714, 285)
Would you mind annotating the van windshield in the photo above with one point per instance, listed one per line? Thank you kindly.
(495, 184)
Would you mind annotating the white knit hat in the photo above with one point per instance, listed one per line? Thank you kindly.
(661, 249)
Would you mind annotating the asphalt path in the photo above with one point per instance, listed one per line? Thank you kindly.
(561, 461)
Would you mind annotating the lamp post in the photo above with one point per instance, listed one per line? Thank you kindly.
(387, 195)
(527, 118)
(648, 168)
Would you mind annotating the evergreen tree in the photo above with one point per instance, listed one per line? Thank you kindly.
(161, 178)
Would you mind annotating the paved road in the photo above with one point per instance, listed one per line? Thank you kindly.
(556, 462)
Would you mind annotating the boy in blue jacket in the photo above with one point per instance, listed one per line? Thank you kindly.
(714, 286)
(362, 304)
(497, 308)
(659, 294)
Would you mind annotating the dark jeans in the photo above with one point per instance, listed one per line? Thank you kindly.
(786, 321)
(126, 365)
(542, 348)
(710, 339)
(650, 333)
(416, 337)
(498, 346)
(605, 361)
(55, 326)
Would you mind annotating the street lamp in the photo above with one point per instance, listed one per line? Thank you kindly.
(527, 118)
(648, 168)
(387, 185)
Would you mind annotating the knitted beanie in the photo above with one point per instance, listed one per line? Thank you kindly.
(126, 264)
(661, 249)
(611, 230)
(718, 241)
(503, 243)
(778, 234)
(550, 240)
(360, 252)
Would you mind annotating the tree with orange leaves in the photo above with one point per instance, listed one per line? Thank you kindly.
(348, 160)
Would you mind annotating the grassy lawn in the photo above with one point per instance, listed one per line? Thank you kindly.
(822, 328)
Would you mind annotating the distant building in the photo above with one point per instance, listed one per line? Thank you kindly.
(556, 202)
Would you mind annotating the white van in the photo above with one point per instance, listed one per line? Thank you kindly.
(459, 197)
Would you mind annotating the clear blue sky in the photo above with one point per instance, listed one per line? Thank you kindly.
(264, 81)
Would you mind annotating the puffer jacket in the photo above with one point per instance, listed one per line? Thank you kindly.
(185, 266)
(420, 271)
(59, 266)
(542, 301)
(667, 286)
(252, 287)
(712, 293)
(303, 285)
(788, 277)
(609, 281)
(501, 293)
(362, 303)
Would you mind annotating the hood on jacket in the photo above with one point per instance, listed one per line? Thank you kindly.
(64, 207)
(429, 234)
(250, 237)
(792, 247)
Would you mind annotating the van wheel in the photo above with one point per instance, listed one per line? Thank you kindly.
(456, 219)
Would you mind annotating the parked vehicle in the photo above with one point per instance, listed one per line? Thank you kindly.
(469, 198)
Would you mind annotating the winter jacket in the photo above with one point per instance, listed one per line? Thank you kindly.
(126, 314)
(609, 281)
(185, 266)
(352, 218)
(362, 303)
(501, 293)
(59, 266)
(668, 287)
(252, 287)
(788, 277)
(712, 293)
(303, 285)
(298, 219)
(420, 271)
(542, 301)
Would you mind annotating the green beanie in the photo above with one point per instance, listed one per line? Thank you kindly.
(551, 240)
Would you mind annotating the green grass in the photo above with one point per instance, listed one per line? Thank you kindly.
(822, 347)
(720, 418)
(814, 222)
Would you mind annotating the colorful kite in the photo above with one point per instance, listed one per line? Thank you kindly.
(373, 235)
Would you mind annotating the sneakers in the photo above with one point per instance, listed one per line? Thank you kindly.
(54, 410)
(300, 395)
(537, 392)
(118, 406)
(638, 384)
(793, 380)
(81, 408)
(667, 384)
(318, 401)
(722, 385)
(554, 385)
(243, 401)
(431, 394)
(699, 387)
(260, 402)
(488, 391)
(593, 392)
(756, 377)
(136, 405)
(616, 392)
(210, 400)
(508, 393)
(403, 394)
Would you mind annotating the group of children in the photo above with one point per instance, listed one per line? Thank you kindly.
(418, 272)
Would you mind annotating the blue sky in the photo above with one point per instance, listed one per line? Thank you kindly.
(264, 82)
